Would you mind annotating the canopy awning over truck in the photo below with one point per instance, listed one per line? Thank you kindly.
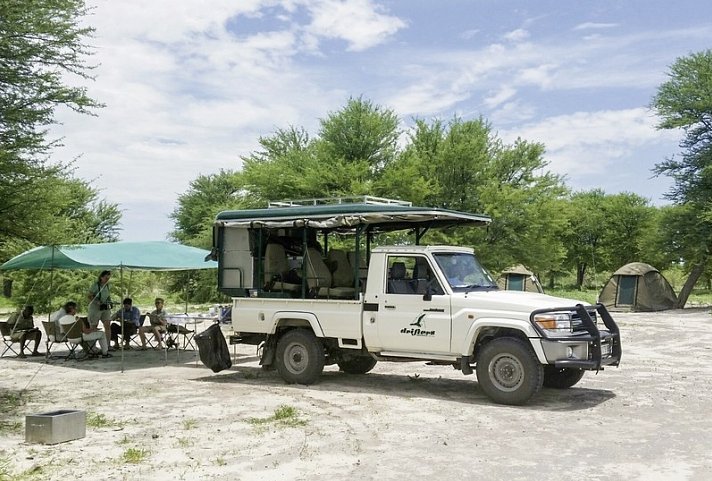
(349, 216)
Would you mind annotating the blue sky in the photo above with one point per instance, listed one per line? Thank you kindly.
(189, 86)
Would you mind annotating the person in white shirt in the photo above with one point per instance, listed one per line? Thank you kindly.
(90, 334)
(68, 308)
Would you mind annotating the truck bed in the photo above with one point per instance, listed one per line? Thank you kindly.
(340, 319)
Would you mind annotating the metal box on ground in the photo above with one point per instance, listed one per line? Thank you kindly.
(56, 426)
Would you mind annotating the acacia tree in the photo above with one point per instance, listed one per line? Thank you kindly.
(465, 166)
(684, 101)
(41, 43)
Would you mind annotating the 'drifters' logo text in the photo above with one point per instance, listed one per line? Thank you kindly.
(419, 329)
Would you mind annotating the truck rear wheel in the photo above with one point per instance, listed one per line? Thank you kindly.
(561, 378)
(299, 357)
(357, 365)
(508, 371)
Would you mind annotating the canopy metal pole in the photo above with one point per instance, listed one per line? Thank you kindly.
(49, 315)
(121, 280)
(187, 286)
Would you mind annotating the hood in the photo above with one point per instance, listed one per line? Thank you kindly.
(516, 301)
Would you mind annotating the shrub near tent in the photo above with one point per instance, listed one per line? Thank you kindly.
(637, 287)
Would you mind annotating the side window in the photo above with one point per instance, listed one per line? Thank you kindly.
(411, 275)
(424, 279)
(400, 271)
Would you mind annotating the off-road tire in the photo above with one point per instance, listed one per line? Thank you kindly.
(357, 365)
(299, 357)
(561, 378)
(508, 371)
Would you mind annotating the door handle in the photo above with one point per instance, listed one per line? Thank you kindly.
(434, 309)
(389, 307)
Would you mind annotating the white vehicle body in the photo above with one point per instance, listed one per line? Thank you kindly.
(516, 340)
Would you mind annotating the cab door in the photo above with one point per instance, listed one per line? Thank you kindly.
(407, 322)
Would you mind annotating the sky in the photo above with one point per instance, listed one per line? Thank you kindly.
(189, 86)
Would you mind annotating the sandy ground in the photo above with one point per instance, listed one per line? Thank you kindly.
(647, 420)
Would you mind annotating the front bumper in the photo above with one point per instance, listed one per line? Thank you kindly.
(588, 349)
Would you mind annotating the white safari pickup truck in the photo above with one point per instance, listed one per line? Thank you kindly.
(311, 288)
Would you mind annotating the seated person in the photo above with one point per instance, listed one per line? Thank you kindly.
(23, 329)
(68, 308)
(131, 317)
(158, 325)
(91, 334)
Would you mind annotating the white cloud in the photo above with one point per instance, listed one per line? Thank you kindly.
(586, 143)
(359, 22)
(469, 34)
(512, 112)
(517, 35)
(499, 96)
(594, 26)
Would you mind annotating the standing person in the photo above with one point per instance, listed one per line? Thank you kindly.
(158, 325)
(131, 318)
(23, 329)
(100, 303)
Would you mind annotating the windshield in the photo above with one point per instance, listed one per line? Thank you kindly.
(464, 272)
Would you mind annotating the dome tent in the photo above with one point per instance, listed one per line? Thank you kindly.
(519, 278)
(637, 287)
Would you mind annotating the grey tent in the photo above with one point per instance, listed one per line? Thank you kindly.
(637, 287)
(519, 278)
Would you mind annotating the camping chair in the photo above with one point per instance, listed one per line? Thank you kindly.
(73, 337)
(124, 338)
(53, 337)
(7, 338)
(135, 339)
(179, 330)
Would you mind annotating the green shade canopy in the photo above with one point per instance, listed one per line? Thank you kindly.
(153, 255)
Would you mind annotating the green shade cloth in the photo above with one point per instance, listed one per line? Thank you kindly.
(152, 255)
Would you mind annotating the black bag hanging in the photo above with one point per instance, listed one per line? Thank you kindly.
(213, 349)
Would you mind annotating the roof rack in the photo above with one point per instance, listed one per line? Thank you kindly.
(361, 199)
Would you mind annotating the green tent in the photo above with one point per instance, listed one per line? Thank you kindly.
(637, 287)
(519, 278)
(151, 256)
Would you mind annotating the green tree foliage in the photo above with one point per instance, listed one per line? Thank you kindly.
(684, 101)
(604, 231)
(461, 165)
(346, 158)
(465, 166)
(42, 51)
(41, 44)
(361, 132)
(197, 208)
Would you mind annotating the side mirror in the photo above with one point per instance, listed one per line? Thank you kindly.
(428, 296)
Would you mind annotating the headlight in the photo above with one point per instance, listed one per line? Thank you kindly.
(555, 323)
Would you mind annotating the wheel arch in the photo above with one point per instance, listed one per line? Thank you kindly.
(290, 320)
(485, 330)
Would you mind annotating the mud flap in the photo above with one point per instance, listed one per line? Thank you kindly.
(465, 365)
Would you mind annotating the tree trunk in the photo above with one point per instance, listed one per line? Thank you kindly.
(580, 274)
(692, 279)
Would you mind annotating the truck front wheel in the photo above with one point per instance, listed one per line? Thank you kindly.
(508, 371)
(561, 378)
(299, 357)
(357, 365)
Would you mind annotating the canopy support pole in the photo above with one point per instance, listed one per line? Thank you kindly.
(49, 305)
(121, 281)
